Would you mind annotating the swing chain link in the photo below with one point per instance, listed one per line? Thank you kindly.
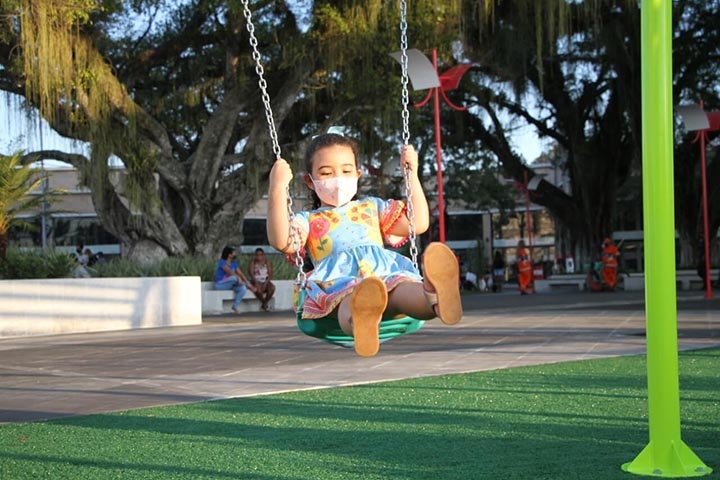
(262, 83)
(261, 78)
(406, 130)
(405, 76)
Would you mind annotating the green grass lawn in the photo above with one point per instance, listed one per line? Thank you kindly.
(577, 420)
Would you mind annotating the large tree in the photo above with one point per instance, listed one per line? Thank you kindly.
(170, 90)
(696, 56)
(570, 71)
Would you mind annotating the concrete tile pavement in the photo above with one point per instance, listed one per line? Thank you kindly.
(264, 353)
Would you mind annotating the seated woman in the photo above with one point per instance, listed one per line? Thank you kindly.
(260, 274)
(229, 276)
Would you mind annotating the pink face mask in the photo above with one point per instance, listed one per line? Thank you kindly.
(336, 191)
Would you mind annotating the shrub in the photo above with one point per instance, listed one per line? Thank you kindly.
(187, 266)
(25, 264)
(117, 267)
(169, 267)
(37, 264)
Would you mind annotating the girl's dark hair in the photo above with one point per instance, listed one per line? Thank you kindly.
(323, 141)
(226, 252)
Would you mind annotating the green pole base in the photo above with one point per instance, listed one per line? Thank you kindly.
(673, 460)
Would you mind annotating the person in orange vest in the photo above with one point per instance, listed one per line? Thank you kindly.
(524, 267)
(609, 257)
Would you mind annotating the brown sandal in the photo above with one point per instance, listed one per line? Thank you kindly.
(440, 269)
(367, 304)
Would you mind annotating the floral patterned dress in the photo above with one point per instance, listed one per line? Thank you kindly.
(346, 245)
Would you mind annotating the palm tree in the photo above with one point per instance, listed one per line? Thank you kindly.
(16, 182)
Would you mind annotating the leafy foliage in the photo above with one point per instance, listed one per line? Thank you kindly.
(170, 90)
(20, 264)
(16, 182)
(29, 264)
(185, 266)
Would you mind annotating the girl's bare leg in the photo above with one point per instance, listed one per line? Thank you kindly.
(437, 295)
(440, 278)
(408, 299)
(360, 313)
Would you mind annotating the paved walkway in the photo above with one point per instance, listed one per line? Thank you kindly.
(264, 353)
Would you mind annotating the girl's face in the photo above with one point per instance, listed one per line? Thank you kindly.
(334, 161)
(331, 162)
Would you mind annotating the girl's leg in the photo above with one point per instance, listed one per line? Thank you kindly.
(360, 313)
(408, 299)
(442, 293)
(437, 295)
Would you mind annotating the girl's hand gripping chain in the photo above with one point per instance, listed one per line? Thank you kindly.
(278, 221)
(421, 220)
(280, 175)
(409, 159)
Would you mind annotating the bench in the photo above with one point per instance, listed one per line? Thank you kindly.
(685, 280)
(547, 284)
(690, 280)
(215, 302)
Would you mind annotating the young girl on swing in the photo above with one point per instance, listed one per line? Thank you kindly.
(355, 279)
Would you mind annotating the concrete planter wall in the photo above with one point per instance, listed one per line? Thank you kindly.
(77, 305)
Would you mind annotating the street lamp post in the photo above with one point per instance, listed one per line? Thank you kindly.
(696, 119)
(45, 183)
(424, 75)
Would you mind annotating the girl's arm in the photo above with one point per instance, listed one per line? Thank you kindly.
(421, 212)
(278, 221)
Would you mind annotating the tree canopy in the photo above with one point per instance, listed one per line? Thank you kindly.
(572, 74)
(169, 88)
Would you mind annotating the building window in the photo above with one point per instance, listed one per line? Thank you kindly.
(255, 231)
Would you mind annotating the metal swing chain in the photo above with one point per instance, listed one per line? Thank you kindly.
(406, 129)
(260, 71)
(261, 78)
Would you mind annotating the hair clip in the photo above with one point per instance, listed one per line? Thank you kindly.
(336, 129)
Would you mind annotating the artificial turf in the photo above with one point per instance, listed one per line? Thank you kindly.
(575, 420)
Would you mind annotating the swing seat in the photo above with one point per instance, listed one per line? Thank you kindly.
(328, 329)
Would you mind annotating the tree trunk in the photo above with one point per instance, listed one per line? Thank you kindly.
(3, 245)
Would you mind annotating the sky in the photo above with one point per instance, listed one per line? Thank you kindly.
(18, 131)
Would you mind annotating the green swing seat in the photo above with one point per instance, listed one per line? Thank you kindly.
(328, 329)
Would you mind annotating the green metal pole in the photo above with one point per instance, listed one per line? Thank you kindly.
(665, 455)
